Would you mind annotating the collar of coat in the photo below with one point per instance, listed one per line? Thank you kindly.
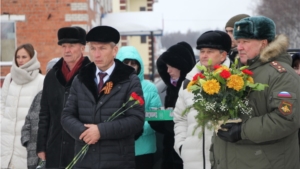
(59, 75)
(119, 74)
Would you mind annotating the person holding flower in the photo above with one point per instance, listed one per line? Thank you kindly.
(214, 47)
(101, 110)
(268, 137)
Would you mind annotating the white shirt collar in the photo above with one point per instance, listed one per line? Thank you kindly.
(108, 71)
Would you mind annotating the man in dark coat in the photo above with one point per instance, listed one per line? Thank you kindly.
(172, 66)
(53, 144)
(99, 90)
(229, 30)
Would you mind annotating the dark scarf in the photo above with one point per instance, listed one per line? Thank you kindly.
(66, 71)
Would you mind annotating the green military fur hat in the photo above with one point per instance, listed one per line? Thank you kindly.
(255, 27)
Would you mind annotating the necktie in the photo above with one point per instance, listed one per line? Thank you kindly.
(101, 77)
(174, 83)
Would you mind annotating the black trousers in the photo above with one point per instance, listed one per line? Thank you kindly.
(144, 161)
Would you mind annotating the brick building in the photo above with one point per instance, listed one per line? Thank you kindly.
(37, 22)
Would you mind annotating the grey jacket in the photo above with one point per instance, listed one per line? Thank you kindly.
(29, 131)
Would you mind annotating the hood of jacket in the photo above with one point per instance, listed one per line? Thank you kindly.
(130, 52)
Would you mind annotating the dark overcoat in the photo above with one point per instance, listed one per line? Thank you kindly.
(115, 148)
(52, 139)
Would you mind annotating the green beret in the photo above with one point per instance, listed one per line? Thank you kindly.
(255, 27)
(231, 21)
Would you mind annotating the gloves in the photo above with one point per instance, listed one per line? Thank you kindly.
(233, 133)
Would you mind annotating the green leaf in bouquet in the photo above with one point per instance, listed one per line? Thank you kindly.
(257, 86)
(243, 67)
(187, 110)
(201, 68)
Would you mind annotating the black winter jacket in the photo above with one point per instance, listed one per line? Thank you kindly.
(115, 148)
(52, 139)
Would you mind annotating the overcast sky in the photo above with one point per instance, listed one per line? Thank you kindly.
(198, 15)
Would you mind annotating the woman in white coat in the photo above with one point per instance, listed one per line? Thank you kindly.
(19, 88)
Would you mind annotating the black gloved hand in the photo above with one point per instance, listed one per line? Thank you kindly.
(233, 133)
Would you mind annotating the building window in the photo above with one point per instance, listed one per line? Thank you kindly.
(8, 41)
(143, 39)
(142, 8)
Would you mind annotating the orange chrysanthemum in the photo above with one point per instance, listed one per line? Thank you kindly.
(235, 82)
(250, 80)
(211, 87)
(191, 83)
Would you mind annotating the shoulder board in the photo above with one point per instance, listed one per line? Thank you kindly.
(278, 67)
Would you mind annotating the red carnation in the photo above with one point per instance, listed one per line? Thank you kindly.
(217, 67)
(198, 75)
(141, 101)
(225, 74)
(248, 72)
(135, 96)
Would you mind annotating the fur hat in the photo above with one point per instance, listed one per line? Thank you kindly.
(231, 21)
(188, 47)
(180, 57)
(104, 34)
(71, 35)
(214, 39)
(255, 27)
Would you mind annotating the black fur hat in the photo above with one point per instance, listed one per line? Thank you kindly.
(178, 56)
(188, 47)
(104, 34)
(214, 39)
(71, 35)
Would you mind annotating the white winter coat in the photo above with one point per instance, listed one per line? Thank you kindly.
(18, 91)
(192, 146)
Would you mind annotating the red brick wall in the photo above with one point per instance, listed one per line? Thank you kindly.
(43, 19)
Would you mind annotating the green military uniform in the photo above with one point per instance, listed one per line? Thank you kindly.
(270, 136)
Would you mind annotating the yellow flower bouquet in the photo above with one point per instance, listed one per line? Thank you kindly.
(221, 93)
